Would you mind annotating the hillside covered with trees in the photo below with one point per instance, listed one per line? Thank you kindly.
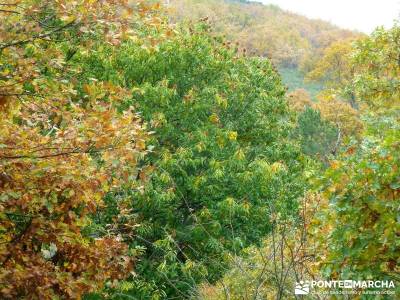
(143, 156)
(290, 40)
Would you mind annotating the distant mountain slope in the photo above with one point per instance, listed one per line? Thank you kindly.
(291, 40)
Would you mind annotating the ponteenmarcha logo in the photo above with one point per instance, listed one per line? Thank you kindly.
(302, 288)
(360, 286)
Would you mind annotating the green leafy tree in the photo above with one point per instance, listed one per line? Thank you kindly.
(222, 155)
(377, 63)
(359, 222)
(360, 225)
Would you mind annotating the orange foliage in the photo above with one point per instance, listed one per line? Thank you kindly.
(62, 147)
(340, 113)
(299, 99)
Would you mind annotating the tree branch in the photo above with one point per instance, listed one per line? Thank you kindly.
(338, 141)
(9, 11)
(75, 151)
(39, 36)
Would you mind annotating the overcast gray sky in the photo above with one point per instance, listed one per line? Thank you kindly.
(363, 15)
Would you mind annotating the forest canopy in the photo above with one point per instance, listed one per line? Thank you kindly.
(144, 156)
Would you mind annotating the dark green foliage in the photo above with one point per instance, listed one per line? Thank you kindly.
(317, 136)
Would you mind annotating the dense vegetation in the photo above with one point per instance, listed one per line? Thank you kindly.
(64, 144)
(141, 159)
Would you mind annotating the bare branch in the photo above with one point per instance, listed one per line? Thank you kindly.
(75, 151)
